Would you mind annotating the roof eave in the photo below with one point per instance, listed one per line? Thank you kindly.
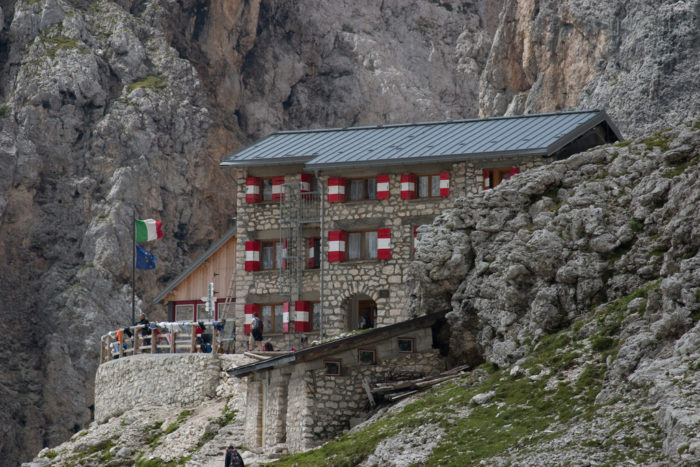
(336, 345)
(183, 275)
(428, 159)
(295, 160)
(582, 129)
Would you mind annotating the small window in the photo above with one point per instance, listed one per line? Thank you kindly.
(367, 356)
(499, 174)
(428, 186)
(314, 253)
(361, 188)
(361, 245)
(272, 317)
(271, 255)
(333, 367)
(406, 344)
(267, 189)
(315, 318)
(184, 312)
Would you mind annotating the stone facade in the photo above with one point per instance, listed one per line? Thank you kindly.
(298, 406)
(381, 281)
(157, 380)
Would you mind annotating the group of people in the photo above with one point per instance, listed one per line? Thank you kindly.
(150, 331)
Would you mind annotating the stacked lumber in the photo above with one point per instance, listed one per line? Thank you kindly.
(395, 390)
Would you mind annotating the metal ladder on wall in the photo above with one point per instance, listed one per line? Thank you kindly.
(229, 338)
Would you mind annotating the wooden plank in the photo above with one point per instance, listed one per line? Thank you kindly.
(433, 382)
(400, 395)
(365, 384)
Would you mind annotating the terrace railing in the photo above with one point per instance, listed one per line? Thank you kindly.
(170, 337)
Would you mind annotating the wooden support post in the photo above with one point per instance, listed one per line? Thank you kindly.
(214, 341)
(153, 343)
(102, 350)
(137, 341)
(365, 384)
(173, 336)
(193, 343)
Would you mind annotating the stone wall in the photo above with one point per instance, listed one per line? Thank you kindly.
(161, 380)
(381, 280)
(303, 407)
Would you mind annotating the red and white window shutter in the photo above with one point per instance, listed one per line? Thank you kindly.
(252, 255)
(305, 183)
(277, 188)
(384, 243)
(487, 179)
(382, 187)
(285, 317)
(336, 190)
(284, 253)
(444, 184)
(336, 246)
(250, 310)
(252, 190)
(408, 186)
(311, 260)
(302, 314)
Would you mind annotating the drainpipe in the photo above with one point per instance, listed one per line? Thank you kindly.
(320, 250)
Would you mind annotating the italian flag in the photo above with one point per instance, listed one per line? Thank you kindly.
(148, 229)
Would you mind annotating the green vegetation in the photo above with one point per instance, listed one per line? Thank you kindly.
(158, 462)
(679, 169)
(623, 144)
(51, 454)
(56, 43)
(657, 140)
(152, 434)
(636, 225)
(4, 111)
(149, 82)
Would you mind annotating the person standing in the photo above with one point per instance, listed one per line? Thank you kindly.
(233, 459)
(145, 330)
(256, 329)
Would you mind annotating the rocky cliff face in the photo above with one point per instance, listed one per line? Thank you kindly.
(111, 106)
(636, 59)
(609, 241)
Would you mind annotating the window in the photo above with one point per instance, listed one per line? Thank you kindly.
(271, 254)
(313, 259)
(272, 317)
(333, 367)
(494, 177)
(315, 318)
(428, 186)
(361, 245)
(267, 189)
(361, 188)
(184, 312)
(406, 344)
(367, 356)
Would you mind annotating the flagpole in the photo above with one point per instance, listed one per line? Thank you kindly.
(133, 264)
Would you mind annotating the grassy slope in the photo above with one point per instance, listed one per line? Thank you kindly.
(532, 407)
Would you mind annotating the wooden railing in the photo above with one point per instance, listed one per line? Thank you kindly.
(172, 337)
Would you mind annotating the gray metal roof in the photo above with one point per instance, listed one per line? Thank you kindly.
(539, 134)
(218, 244)
(340, 345)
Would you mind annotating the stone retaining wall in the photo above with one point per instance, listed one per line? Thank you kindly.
(165, 379)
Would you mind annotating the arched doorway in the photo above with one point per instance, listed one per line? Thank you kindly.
(361, 312)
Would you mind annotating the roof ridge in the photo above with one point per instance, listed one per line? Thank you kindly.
(430, 123)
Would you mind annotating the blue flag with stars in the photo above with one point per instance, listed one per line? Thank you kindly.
(144, 259)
